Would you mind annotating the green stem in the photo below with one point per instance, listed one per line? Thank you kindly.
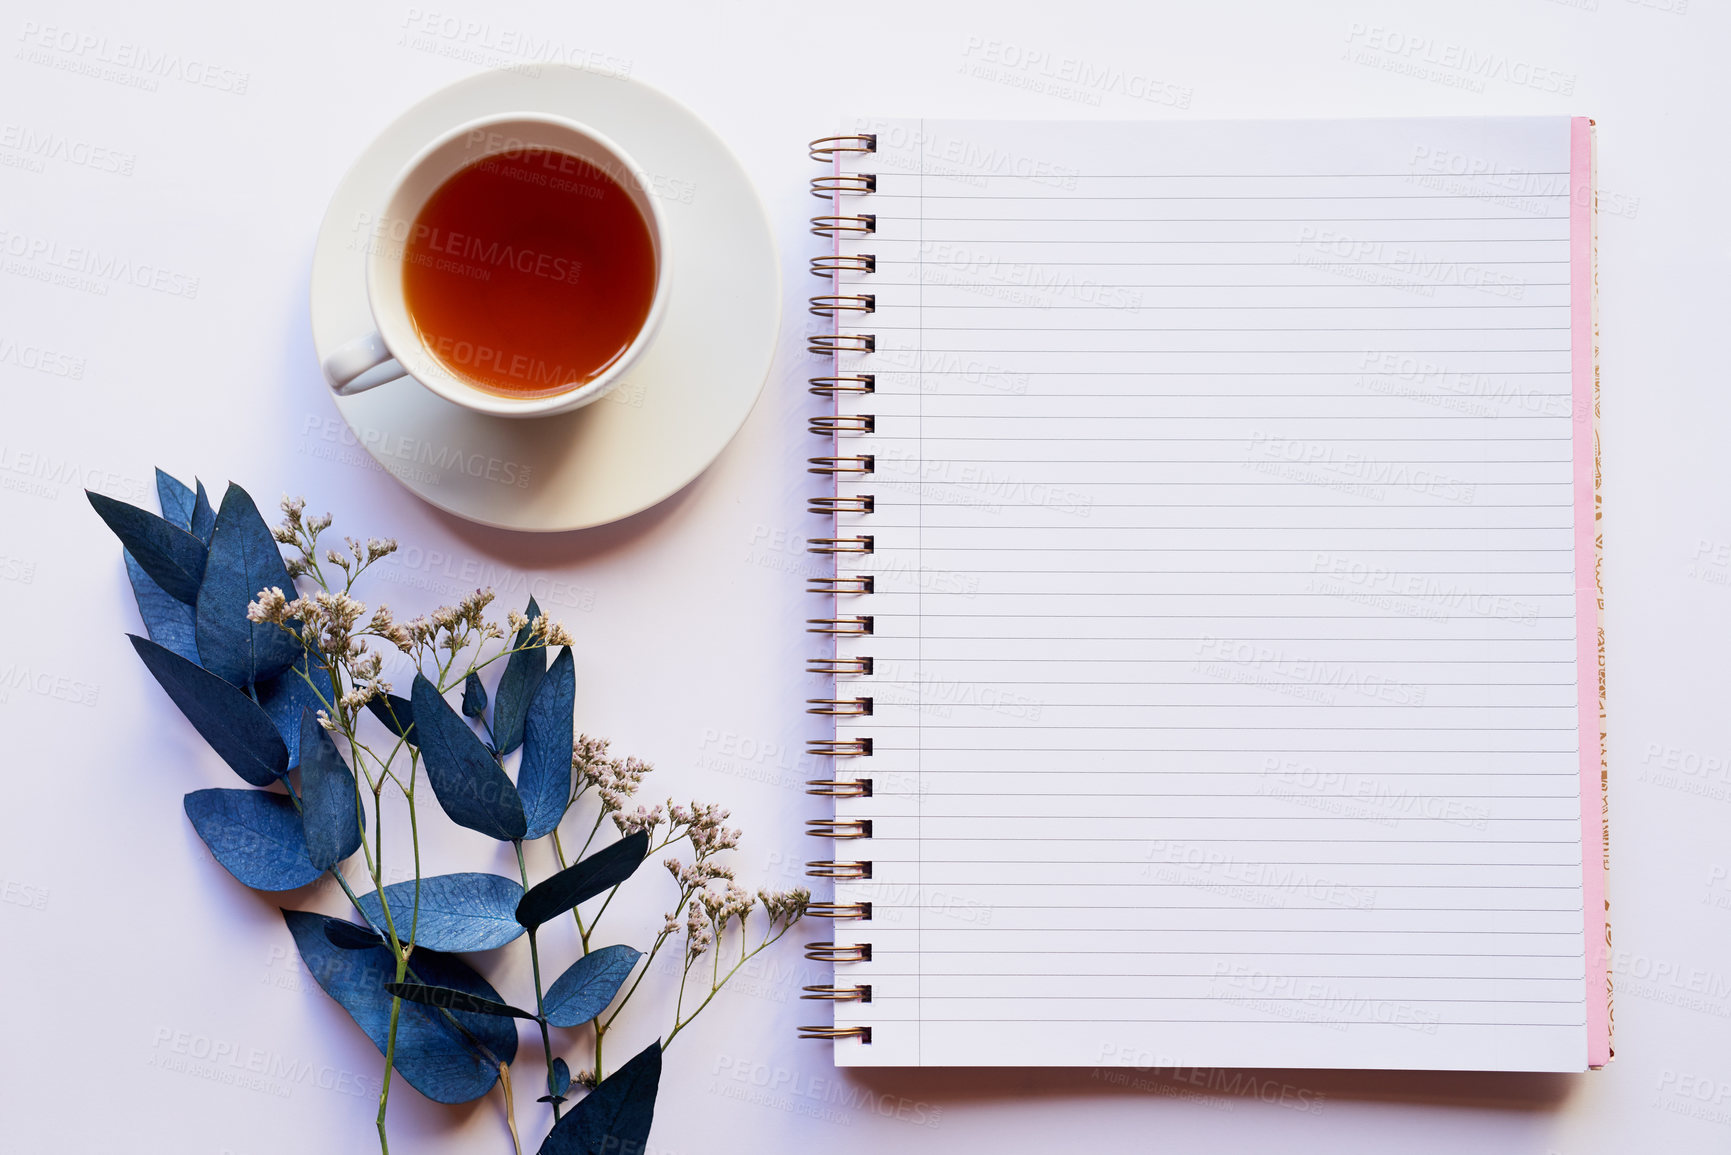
(660, 939)
(396, 949)
(679, 1024)
(559, 853)
(450, 1019)
(540, 1010)
(592, 830)
(415, 843)
(679, 1003)
(583, 935)
(402, 965)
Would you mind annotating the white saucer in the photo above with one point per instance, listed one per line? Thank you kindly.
(672, 413)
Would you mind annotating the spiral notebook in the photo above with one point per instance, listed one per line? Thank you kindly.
(1215, 644)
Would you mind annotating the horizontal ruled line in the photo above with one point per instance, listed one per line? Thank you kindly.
(1070, 195)
(1324, 841)
(1293, 242)
(1255, 1022)
(876, 973)
(1241, 817)
(1163, 726)
(1120, 617)
(1292, 953)
(1145, 861)
(950, 684)
(1169, 308)
(1231, 996)
(1234, 329)
(999, 906)
(1350, 220)
(1415, 282)
(1362, 800)
(1235, 440)
(1568, 774)
(1048, 178)
(953, 284)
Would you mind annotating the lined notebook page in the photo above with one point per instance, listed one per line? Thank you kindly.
(1224, 625)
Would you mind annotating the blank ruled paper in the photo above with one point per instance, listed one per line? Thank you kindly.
(1224, 623)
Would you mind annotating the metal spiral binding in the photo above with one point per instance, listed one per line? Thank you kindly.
(825, 187)
(830, 424)
(839, 827)
(835, 304)
(854, 994)
(862, 544)
(829, 868)
(840, 787)
(852, 584)
(863, 1034)
(853, 626)
(832, 263)
(840, 667)
(839, 747)
(839, 910)
(842, 223)
(839, 707)
(838, 952)
(836, 386)
(827, 344)
(825, 148)
(829, 506)
(859, 225)
(860, 465)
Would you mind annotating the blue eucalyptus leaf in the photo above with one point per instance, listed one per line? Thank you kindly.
(255, 834)
(330, 811)
(544, 775)
(396, 713)
(455, 1000)
(236, 727)
(559, 1078)
(244, 559)
(175, 500)
(603, 870)
(441, 1061)
(204, 518)
(524, 670)
(470, 911)
(168, 620)
(468, 783)
(286, 695)
(348, 936)
(615, 1116)
(173, 558)
(588, 986)
(474, 696)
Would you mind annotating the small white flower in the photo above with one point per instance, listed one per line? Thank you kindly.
(270, 606)
(644, 819)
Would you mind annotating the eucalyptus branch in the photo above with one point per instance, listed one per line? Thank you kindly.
(338, 647)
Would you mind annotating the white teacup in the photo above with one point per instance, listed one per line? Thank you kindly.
(395, 349)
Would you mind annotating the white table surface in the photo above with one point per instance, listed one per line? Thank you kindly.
(202, 142)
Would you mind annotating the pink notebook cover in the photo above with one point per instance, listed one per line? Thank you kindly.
(1589, 637)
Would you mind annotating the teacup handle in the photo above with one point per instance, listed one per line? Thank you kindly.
(362, 364)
